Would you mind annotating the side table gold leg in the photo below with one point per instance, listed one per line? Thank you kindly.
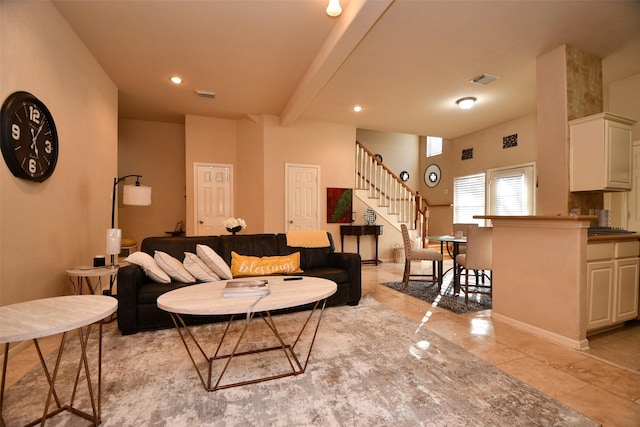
(4, 376)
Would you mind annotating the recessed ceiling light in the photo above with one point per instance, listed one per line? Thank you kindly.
(177, 80)
(357, 108)
(466, 103)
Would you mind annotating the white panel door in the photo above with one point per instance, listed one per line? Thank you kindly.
(214, 198)
(302, 197)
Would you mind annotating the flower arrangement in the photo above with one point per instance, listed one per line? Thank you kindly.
(233, 225)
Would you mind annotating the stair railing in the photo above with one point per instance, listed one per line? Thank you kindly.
(391, 192)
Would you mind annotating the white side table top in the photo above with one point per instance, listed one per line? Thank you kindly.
(207, 299)
(92, 271)
(49, 316)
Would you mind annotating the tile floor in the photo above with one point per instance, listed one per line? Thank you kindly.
(606, 391)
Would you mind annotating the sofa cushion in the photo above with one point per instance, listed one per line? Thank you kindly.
(173, 267)
(198, 269)
(214, 261)
(309, 257)
(251, 244)
(149, 266)
(244, 265)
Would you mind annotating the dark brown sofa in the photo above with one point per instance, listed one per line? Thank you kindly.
(137, 294)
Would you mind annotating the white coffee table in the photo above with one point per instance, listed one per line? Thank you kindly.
(36, 319)
(207, 299)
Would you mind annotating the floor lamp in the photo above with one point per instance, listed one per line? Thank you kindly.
(133, 195)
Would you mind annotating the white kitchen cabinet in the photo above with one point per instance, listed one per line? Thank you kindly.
(613, 283)
(600, 149)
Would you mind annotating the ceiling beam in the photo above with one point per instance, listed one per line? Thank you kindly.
(352, 26)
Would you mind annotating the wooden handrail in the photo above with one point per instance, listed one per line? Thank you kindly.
(373, 156)
(377, 185)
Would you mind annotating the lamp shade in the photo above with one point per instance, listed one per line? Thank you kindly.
(114, 237)
(136, 195)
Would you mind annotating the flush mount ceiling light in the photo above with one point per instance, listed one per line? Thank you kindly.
(334, 9)
(175, 79)
(466, 103)
(357, 108)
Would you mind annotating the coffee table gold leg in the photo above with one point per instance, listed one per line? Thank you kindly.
(288, 349)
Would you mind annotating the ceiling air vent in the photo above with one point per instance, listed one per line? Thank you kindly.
(205, 94)
(484, 79)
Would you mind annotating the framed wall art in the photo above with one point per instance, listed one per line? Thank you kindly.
(339, 205)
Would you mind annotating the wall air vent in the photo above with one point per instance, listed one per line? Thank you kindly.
(484, 79)
(205, 94)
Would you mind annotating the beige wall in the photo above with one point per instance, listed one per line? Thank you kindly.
(400, 152)
(329, 145)
(487, 153)
(45, 228)
(553, 163)
(624, 100)
(206, 140)
(156, 151)
(258, 148)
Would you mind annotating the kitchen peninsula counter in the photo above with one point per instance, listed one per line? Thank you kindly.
(539, 275)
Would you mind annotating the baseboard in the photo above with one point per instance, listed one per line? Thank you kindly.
(551, 336)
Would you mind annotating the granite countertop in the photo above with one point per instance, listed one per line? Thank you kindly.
(614, 237)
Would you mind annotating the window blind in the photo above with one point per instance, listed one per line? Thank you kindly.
(510, 196)
(468, 198)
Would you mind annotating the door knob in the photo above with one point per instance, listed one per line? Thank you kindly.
(200, 222)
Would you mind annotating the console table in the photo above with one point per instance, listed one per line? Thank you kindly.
(361, 230)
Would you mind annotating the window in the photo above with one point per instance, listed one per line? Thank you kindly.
(468, 198)
(512, 190)
(434, 146)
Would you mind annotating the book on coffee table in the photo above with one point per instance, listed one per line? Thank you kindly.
(245, 288)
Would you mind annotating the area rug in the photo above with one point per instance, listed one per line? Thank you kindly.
(444, 299)
(370, 367)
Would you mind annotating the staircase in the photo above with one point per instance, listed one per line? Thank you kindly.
(391, 198)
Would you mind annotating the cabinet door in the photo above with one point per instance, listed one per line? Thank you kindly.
(600, 287)
(618, 146)
(627, 285)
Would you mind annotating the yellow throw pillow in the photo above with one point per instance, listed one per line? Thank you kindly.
(243, 265)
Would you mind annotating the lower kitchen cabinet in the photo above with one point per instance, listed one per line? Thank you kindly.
(613, 283)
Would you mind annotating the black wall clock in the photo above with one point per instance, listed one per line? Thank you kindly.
(28, 137)
(432, 175)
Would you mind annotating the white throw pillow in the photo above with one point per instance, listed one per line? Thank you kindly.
(198, 268)
(173, 267)
(214, 261)
(149, 266)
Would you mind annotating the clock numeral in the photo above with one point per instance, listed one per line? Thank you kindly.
(32, 166)
(48, 147)
(34, 114)
(15, 131)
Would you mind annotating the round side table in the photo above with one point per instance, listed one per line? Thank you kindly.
(78, 275)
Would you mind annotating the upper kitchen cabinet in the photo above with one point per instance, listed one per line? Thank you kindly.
(600, 153)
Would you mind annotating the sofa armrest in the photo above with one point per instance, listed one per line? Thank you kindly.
(130, 279)
(352, 263)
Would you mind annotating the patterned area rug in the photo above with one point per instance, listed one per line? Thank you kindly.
(370, 367)
(446, 299)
